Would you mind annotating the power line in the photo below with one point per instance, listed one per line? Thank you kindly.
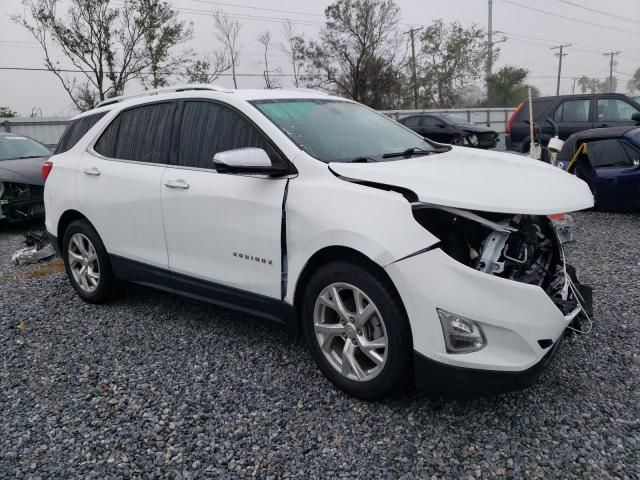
(238, 5)
(600, 12)
(569, 18)
(77, 70)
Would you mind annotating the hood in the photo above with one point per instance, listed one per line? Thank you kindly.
(478, 180)
(22, 170)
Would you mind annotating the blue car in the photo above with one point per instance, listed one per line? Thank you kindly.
(608, 159)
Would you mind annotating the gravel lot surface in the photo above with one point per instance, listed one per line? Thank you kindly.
(154, 385)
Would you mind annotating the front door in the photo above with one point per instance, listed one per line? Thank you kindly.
(223, 230)
(614, 112)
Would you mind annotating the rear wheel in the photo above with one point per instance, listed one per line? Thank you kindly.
(87, 263)
(357, 331)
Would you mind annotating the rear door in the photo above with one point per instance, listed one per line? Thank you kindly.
(413, 123)
(614, 112)
(118, 183)
(432, 130)
(222, 229)
(572, 115)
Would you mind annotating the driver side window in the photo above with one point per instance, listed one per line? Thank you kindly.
(208, 128)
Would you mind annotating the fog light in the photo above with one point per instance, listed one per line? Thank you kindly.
(461, 335)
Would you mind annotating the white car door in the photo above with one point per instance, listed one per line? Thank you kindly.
(118, 185)
(223, 231)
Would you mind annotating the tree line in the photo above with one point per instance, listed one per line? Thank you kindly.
(361, 53)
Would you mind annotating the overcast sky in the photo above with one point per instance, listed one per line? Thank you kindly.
(530, 34)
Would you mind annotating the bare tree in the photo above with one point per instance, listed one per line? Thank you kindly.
(227, 30)
(265, 39)
(293, 47)
(207, 70)
(359, 52)
(107, 46)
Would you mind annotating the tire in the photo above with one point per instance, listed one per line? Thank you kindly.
(457, 140)
(99, 284)
(379, 372)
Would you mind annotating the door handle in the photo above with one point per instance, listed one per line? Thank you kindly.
(177, 184)
(93, 171)
(604, 125)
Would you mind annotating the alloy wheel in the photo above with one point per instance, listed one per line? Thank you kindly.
(83, 262)
(350, 332)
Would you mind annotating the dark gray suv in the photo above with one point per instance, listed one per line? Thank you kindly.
(572, 113)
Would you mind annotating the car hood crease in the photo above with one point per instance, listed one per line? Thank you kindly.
(474, 180)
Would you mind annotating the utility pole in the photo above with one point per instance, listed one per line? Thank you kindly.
(490, 40)
(611, 55)
(560, 55)
(573, 89)
(412, 32)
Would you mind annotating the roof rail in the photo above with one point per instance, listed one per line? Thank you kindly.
(311, 90)
(177, 88)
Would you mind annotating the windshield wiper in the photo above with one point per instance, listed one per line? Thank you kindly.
(29, 156)
(413, 150)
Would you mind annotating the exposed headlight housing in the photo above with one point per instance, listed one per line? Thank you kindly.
(461, 334)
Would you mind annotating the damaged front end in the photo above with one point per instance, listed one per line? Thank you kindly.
(522, 248)
(19, 201)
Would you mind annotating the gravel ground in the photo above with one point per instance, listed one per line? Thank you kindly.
(154, 385)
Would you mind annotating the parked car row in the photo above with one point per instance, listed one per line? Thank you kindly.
(571, 113)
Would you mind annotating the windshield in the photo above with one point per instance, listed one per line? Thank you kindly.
(15, 146)
(454, 119)
(334, 130)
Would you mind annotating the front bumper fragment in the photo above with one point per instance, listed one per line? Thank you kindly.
(439, 378)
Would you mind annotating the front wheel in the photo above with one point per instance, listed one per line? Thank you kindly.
(357, 331)
(457, 140)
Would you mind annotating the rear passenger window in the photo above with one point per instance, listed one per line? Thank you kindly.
(431, 121)
(208, 128)
(573, 111)
(76, 130)
(412, 122)
(141, 134)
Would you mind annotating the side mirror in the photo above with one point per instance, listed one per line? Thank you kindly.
(441, 125)
(636, 117)
(247, 160)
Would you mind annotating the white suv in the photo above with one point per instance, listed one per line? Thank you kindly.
(400, 259)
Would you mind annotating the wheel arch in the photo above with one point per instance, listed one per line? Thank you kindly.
(65, 220)
(333, 253)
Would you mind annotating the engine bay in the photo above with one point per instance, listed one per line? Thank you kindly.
(523, 248)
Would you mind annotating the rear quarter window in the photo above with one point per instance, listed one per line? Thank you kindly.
(76, 130)
(540, 109)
